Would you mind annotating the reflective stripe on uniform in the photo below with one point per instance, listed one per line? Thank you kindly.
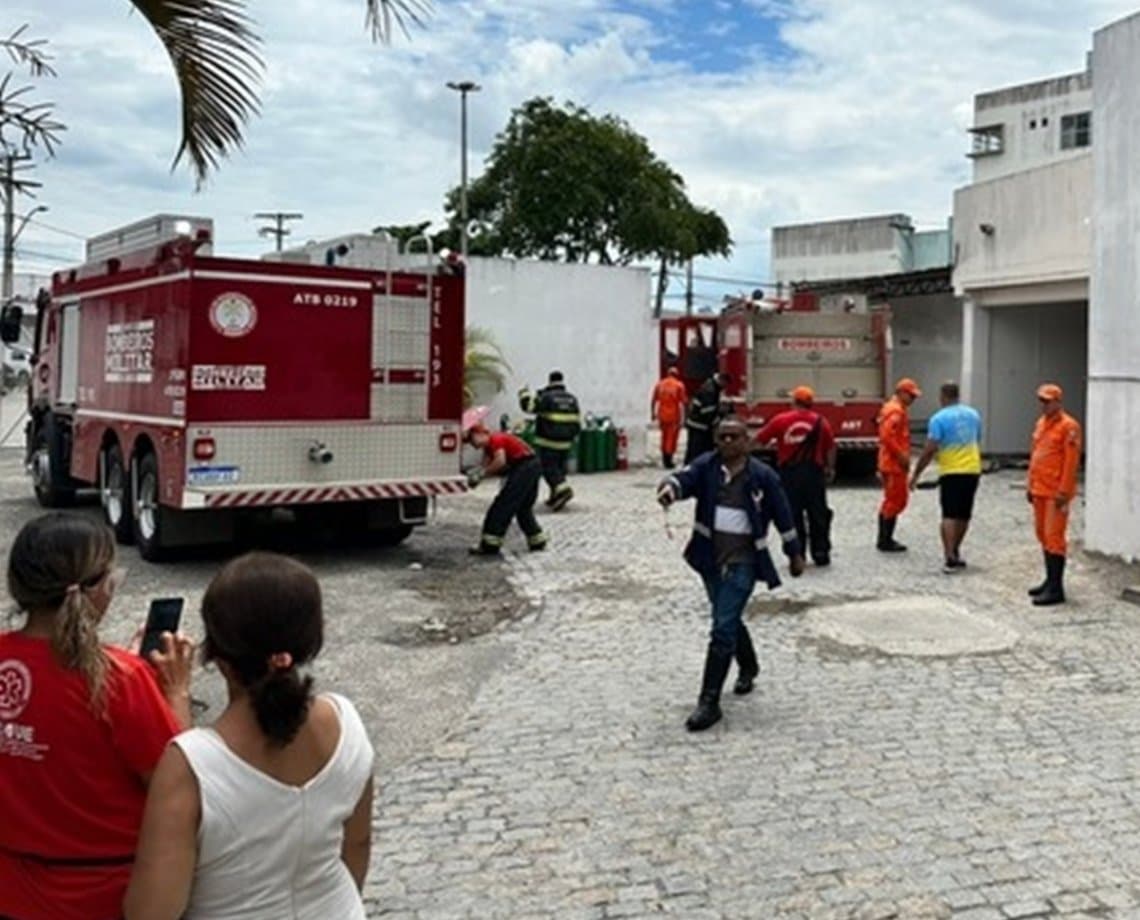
(491, 540)
(539, 539)
(700, 528)
(553, 445)
(788, 535)
(762, 543)
(573, 417)
(562, 487)
(689, 423)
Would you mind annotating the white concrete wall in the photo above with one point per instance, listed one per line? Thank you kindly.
(1031, 119)
(1041, 232)
(1112, 478)
(594, 323)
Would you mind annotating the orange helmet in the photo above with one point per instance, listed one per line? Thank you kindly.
(803, 394)
(906, 385)
(1049, 392)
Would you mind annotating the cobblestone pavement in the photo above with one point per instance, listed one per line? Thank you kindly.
(849, 785)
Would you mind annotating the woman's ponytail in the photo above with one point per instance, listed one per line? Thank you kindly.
(281, 701)
(75, 642)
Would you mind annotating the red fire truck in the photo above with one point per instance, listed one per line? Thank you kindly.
(771, 346)
(191, 389)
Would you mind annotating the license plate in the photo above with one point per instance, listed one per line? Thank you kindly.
(213, 475)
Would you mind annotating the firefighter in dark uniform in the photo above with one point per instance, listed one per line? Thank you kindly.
(700, 420)
(557, 423)
(504, 453)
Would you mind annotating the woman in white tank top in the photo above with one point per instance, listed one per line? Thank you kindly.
(266, 814)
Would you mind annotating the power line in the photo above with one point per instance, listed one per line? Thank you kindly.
(60, 230)
(719, 280)
(25, 253)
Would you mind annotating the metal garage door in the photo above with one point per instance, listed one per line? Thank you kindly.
(1029, 345)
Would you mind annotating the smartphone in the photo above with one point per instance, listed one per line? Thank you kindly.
(164, 616)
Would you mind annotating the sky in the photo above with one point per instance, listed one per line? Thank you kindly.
(773, 111)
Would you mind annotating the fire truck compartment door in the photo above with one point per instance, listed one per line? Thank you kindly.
(835, 354)
(69, 354)
(401, 353)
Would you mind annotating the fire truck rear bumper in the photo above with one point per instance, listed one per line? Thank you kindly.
(284, 496)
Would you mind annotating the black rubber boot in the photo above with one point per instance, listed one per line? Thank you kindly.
(747, 665)
(708, 713)
(560, 499)
(1054, 592)
(887, 542)
(667, 461)
(1039, 589)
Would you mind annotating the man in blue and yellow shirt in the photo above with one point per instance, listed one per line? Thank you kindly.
(954, 436)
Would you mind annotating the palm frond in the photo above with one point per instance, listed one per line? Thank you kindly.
(215, 54)
(484, 365)
(381, 15)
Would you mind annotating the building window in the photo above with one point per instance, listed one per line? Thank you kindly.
(1076, 130)
(1044, 122)
(987, 140)
(1032, 123)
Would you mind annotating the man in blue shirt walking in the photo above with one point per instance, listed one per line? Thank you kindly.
(954, 436)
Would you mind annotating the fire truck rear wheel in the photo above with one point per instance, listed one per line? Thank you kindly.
(115, 495)
(49, 479)
(149, 516)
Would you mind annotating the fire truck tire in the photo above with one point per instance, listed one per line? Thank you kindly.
(48, 463)
(149, 517)
(115, 495)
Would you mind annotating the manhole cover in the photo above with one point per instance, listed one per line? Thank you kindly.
(918, 626)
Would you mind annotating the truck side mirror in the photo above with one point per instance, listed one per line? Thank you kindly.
(11, 318)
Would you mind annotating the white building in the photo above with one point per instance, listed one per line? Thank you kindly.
(883, 260)
(1022, 253)
(1112, 475)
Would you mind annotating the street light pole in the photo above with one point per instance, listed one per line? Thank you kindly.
(467, 86)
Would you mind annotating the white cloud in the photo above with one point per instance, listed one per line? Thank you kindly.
(862, 111)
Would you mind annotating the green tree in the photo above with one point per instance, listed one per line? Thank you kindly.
(566, 185)
(484, 367)
(214, 50)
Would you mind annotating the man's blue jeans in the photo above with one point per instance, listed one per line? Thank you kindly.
(729, 589)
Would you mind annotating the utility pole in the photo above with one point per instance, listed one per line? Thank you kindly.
(689, 288)
(467, 86)
(278, 230)
(9, 185)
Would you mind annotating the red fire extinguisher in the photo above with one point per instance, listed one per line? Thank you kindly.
(622, 449)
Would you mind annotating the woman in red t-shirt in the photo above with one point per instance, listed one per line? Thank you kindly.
(82, 726)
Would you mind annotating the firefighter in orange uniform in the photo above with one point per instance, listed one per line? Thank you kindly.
(1051, 488)
(668, 408)
(894, 461)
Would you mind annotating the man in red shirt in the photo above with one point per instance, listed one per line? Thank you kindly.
(511, 456)
(805, 457)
